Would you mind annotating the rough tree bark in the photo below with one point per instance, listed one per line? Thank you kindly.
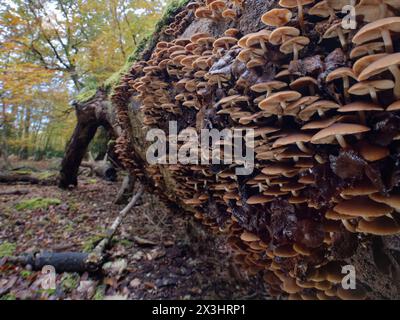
(90, 116)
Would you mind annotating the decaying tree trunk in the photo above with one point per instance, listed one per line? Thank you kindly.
(90, 116)
(103, 168)
(281, 227)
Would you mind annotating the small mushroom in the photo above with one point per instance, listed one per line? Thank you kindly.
(345, 74)
(260, 38)
(294, 45)
(371, 88)
(268, 87)
(336, 30)
(319, 107)
(302, 82)
(364, 62)
(322, 9)
(372, 152)
(379, 29)
(282, 34)
(276, 17)
(229, 14)
(280, 100)
(390, 62)
(296, 4)
(295, 138)
(367, 49)
(360, 107)
(381, 226)
(338, 131)
(362, 206)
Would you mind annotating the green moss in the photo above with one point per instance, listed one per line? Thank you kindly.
(37, 203)
(100, 292)
(25, 274)
(91, 242)
(7, 249)
(169, 12)
(45, 175)
(69, 281)
(85, 95)
(9, 296)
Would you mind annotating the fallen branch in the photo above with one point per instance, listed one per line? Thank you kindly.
(14, 192)
(23, 178)
(77, 261)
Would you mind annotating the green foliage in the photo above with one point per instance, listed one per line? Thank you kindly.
(70, 281)
(37, 203)
(25, 274)
(91, 242)
(100, 293)
(7, 249)
(169, 12)
(85, 95)
(9, 296)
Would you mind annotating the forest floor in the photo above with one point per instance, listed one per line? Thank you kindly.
(156, 254)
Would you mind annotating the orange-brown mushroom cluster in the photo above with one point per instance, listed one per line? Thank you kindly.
(325, 109)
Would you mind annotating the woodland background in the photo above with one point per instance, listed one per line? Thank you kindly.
(55, 51)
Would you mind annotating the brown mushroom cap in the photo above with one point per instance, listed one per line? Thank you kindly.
(336, 30)
(368, 48)
(327, 135)
(268, 86)
(392, 200)
(229, 14)
(382, 226)
(362, 207)
(278, 98)
(372, 152)
(276, 17)
(340, 73)
(364, 62)
(320, 106)
(303, 82)
(360, 106)
(395, 106)
(379, 29)
(390, 62)
(259, 199)
(356, 294)
(280, 35)
(249, 237)
(293, 45)
(322, 9)
(371, 87)
(291, 139)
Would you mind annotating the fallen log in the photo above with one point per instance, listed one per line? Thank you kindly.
(15, 178)
(76, 261)
(102, 169)
(14, 192)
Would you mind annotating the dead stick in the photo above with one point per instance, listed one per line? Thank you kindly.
(77, 261)
(99, 249)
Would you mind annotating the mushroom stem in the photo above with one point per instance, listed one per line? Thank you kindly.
(396, 74)
(361, 114)
(300, 15)
(342, 38)
(295, 53)
(321, 113)
(372, 93)
(319, 159)
(219, 83)
(311, 89)
(382, 10)
(341, 141)
(346, 85)
(263, 46)
(387, 39)
(302, 147)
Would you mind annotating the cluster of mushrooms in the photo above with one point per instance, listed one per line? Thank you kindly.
(324, 103)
